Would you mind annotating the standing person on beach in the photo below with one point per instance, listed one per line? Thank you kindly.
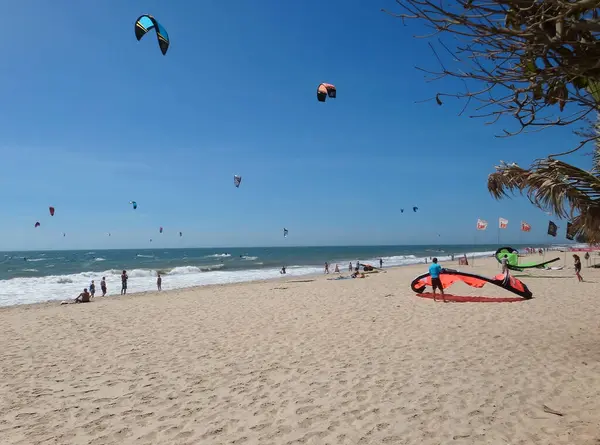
(124, 279)
(326, 267)
(350, 267)
(504, 262)
(577, 261)
(103, 286)
(92, 288)
(434, 271)
(381, 263)
(159, 282)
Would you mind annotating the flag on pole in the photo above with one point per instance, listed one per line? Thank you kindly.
(503, 223)
(481, 224)
(525, 227)
(552, 228)
(570, 232)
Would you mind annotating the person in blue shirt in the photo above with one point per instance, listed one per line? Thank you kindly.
(434, 271)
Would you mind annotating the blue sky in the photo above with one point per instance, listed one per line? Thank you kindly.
(93, 119)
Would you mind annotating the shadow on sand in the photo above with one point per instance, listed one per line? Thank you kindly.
(470, 299)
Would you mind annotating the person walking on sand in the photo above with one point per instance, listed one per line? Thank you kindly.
(326, 267)
(92, 288)
(434, 271)
(381, 263)
(577, 261)
(350, 267)
(124, 279)
(103, 286)
(159, 282)
(504, 262)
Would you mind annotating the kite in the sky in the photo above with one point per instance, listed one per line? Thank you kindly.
(401, 210)
(160, 230)
(325, 90)
(513, 260)
(450, 276)
(108, 234)
(150, 239)
(237, 180)
(134, 204)
(146, 23)
(180, 234)
(51, 211)
(64, 234)
(285, 232)
(37, 224)
(415, 209)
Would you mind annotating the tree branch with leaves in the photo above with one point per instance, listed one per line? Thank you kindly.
(528, 59)
(524, 56)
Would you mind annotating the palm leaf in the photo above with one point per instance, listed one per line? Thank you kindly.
(552, 185)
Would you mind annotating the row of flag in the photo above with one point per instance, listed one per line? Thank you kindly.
(525, 227)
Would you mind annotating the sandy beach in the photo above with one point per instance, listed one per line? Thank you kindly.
(308, 361)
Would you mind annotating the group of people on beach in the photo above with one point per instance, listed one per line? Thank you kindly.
(87, 295)
(350, 268)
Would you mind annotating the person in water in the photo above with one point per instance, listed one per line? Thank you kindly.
(282, 271)
(159, 282)
(350, 267)
(83, 297)
(434, 271)
(92, 288)
(337, 269)
(381, 263)
(103, 286)
(124, 279)
(577, 261)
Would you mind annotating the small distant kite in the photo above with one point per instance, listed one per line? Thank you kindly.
(37, 224)
(51, 211)
(237, 180)
(415, 209)
(133, 204)
(161, 229)
(64, 234)
(285, 232)
(150, 239)
(180, 234)
(326, 90)
(401, 210)
(108, 234)
(146, 23)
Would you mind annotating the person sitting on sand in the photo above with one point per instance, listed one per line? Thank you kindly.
(357, 274)
(83, 297)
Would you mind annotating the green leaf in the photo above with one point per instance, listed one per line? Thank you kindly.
(594, 89)
(580, 82)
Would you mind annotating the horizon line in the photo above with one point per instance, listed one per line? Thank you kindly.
(290, 247)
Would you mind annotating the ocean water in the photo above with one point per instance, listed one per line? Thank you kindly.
(30, 277)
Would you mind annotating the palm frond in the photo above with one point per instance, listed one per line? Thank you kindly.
(552, 185)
